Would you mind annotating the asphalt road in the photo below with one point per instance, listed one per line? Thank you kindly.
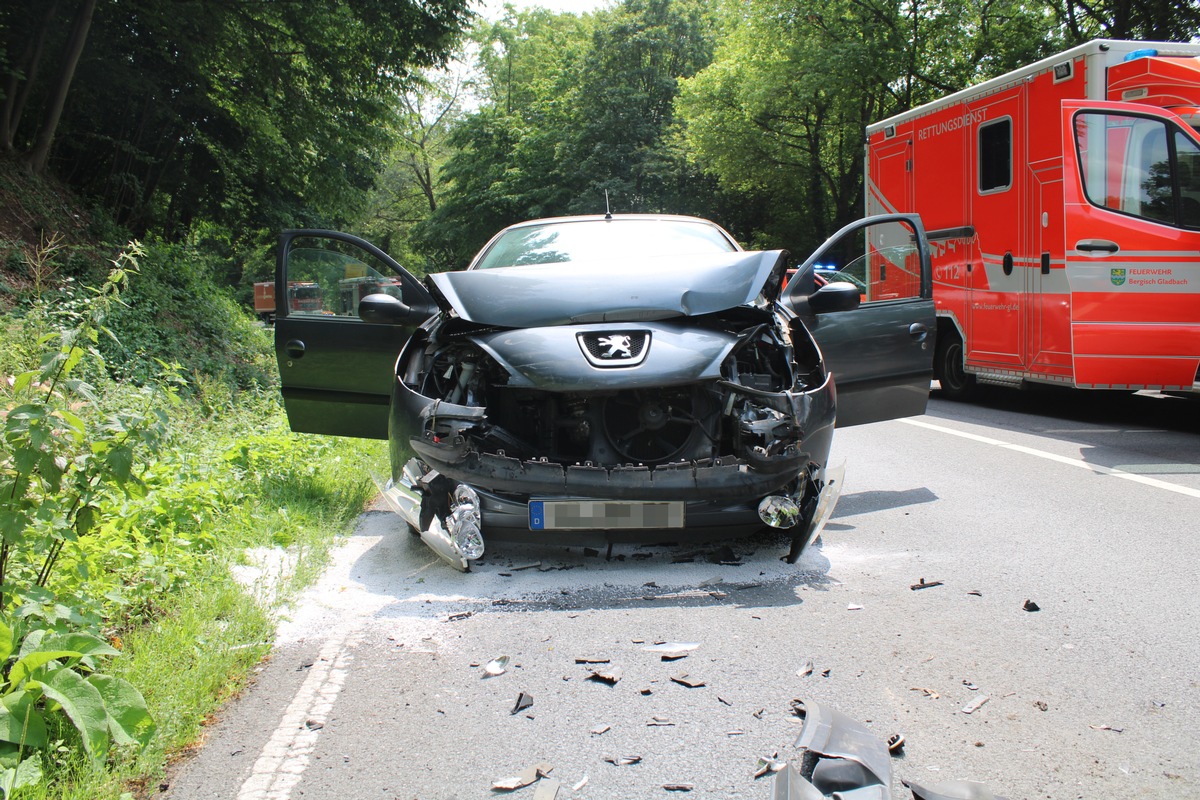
(1083, 505)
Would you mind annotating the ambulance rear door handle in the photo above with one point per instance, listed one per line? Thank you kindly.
(1096, 246)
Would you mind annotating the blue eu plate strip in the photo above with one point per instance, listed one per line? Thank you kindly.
(537, 515)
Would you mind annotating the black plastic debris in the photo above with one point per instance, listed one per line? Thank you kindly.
(458, 616)
(524, 701)
(895, 744)
(839, 757)
(1031, 606)
(723, 555)
(952, 790)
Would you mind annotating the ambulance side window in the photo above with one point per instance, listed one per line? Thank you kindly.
(1139, 166)
(995, 156)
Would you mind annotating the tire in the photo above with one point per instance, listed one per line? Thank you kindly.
(949, 368)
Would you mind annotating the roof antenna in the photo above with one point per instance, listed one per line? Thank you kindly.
(607, 208)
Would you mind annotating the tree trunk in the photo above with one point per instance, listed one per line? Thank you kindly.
(16, 89)
(40, 153)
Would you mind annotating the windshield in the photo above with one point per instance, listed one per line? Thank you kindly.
(591, 240)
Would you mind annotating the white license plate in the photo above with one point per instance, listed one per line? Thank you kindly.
(603, 515)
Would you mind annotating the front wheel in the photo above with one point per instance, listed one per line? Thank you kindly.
(949, 367)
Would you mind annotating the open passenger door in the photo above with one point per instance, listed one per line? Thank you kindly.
(880, 353)
(336, 370)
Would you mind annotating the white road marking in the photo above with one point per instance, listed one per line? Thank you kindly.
(286, 754)
(1073, 462)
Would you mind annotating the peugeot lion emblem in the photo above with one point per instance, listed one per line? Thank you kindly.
(615, 348)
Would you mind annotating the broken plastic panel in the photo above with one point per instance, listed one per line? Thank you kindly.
(840, 758)
(952, 790)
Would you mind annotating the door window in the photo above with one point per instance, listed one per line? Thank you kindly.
(882, 260)
(328, 277)
(995, 156)
(1141, 166)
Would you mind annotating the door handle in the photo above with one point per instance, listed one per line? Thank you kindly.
(1096, 246)
(918, 331)
(295, 348)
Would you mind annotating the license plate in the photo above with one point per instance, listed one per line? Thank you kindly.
(603, 515)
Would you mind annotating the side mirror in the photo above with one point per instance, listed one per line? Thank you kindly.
(834, 296)
(384, 309)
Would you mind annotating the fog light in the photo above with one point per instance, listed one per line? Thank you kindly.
(465, 523)
(778, 511)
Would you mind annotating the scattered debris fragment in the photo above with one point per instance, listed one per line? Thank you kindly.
(646, 692)
(660, 722)
(841, 758)
(497, 666)
(805, 670)
(1031, 606)
(723, 701)
(459, 615)
(600, 730)
(723, 555)
(921, 584)
(1106, 728)
(975, 593)
(926, 692)
(534, 565)
(524, 701)
(313, 725)
(825, 672)
(768, 765)
(759, 714)
(895, 743)
(622, 761)
(683, 679)
(592, 660)
(524, 778)
(952, 790)
(547, 789)
(704, 584)
(678, 787)
(671, 650)
(582, 783)
(609, 675)
(1041, 705)
(975, 705)
(970, 685)
(854, 607)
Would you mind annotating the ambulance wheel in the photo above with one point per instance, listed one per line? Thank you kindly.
(956, 383)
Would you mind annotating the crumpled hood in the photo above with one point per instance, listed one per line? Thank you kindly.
(634, 291)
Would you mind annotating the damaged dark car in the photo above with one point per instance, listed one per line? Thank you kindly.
(609, 378)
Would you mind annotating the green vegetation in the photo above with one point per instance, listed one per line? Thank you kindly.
(144, 451)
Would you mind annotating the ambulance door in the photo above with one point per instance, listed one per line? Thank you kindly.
(998, 272)
(1132, 225)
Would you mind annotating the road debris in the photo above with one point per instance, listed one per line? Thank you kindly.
(970, 685)
(926, 692)
(759, 714)
(1106, 728)
(622, 761)
(547, 789)
(839, 758)
(723, 701)
(678, 787)
(534, 565)
(735, 732)
(592, 660)
(459, 615)
(1031, 606)
(921, 584)
(768, 765)
(854, 607)
(600, 730)
(670, 651)
(496, 667)
(524, 701)
(582, 783)
(1041, 705)
(524, 778)
(660, 722)
(683, 679)
(609, 675)
(975, 705)
(805, 670)
(895, 743)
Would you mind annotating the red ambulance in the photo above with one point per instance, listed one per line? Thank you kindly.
(1062, 202)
